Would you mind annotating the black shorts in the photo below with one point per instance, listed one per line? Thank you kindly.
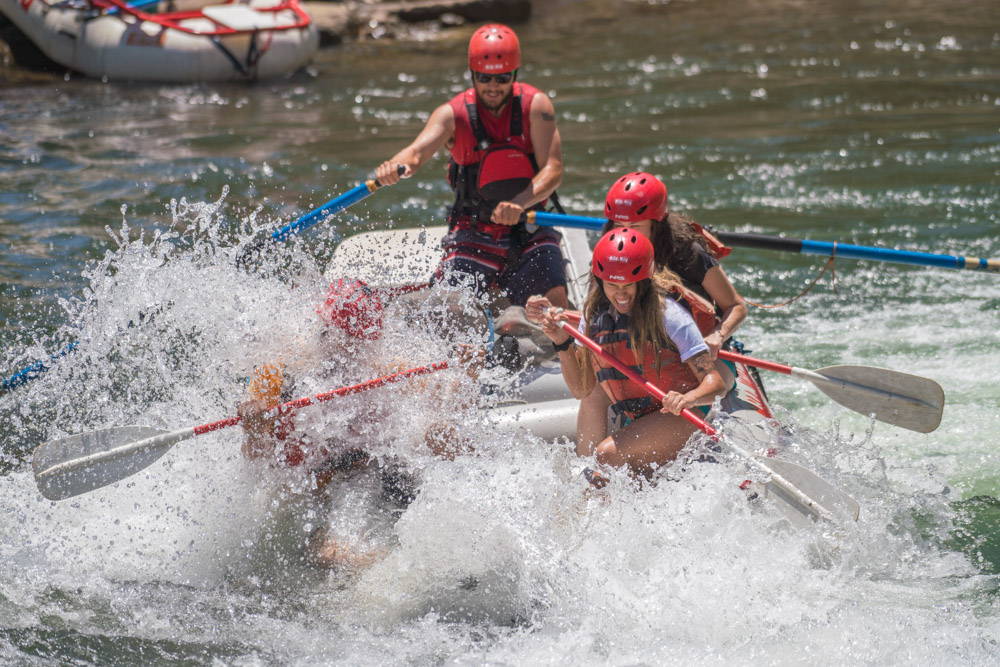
(478, 255)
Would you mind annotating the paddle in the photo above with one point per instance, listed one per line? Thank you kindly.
(794, 245)
(28, 374)
(900, 399)
(67, 467)
(335, 205)
(806, 247)
(812, 493)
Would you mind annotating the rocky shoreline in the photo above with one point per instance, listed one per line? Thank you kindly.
(347, 21)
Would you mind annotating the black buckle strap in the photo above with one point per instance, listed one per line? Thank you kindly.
(483, 141)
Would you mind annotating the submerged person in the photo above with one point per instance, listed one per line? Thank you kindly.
(506, 158)
(325, 451)
(630, 315)
(352, 318)
(639, 201)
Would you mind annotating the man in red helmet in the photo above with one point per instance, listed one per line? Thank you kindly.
(506, 158)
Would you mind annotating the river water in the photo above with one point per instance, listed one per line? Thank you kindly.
(121, 206)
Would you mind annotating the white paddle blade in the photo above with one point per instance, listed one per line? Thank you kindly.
(908, 401)
(802, 494)
(80, 463)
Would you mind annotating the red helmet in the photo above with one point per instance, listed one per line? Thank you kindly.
(637, 196)
(623, 256)
(355, 308)
(493, 49)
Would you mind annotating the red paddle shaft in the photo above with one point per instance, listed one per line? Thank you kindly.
(326, 396)
(635, 377)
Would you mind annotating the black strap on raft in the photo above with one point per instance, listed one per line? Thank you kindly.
(249, 68)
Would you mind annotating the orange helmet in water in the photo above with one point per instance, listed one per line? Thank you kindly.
(623, 256)
(636, 196)
(494, 49)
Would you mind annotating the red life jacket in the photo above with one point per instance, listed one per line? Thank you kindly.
(714, 246)
(701, 309)
(266, 384)
(627, 397)
(492, 158)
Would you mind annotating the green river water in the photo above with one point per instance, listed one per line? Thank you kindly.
(872, 123)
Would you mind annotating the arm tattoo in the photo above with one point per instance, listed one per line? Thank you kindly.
(702, 365)
(548, 116)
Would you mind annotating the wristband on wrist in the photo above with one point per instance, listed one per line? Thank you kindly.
(563, 346)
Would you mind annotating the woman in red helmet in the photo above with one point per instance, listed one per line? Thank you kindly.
(629, 315)
(639, 200)
(506, 158)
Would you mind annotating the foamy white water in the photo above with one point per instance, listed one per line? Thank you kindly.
(874, 127)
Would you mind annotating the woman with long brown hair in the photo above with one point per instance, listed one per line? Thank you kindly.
(639, 200)
(629, 314)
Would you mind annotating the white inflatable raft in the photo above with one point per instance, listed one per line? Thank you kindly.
(538, 401)
(169, 41)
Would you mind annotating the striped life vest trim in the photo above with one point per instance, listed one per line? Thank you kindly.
(627, 398)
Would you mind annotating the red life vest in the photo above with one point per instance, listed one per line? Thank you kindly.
(701, 309)
(266, 384)
(714, 246)
(627, 397)
(492, 158)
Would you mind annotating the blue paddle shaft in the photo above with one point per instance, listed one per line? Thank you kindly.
(34, 370)
(827, 249)
(801, 246)
(335, 205)
(883, 254)
(574, 221)
(332, 207)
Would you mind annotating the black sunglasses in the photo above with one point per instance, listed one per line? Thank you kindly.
(500, 78)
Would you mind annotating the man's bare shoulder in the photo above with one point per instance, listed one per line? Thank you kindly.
(443, 115)
(542, 108)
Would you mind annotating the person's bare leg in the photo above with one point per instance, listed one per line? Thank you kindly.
(592, 421)
(728, 379)
(653, 439)
(324, 551)
(446, 441)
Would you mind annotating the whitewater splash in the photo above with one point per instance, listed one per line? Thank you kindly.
(502, 556)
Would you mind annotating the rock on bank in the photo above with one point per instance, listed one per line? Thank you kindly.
(340, 22)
